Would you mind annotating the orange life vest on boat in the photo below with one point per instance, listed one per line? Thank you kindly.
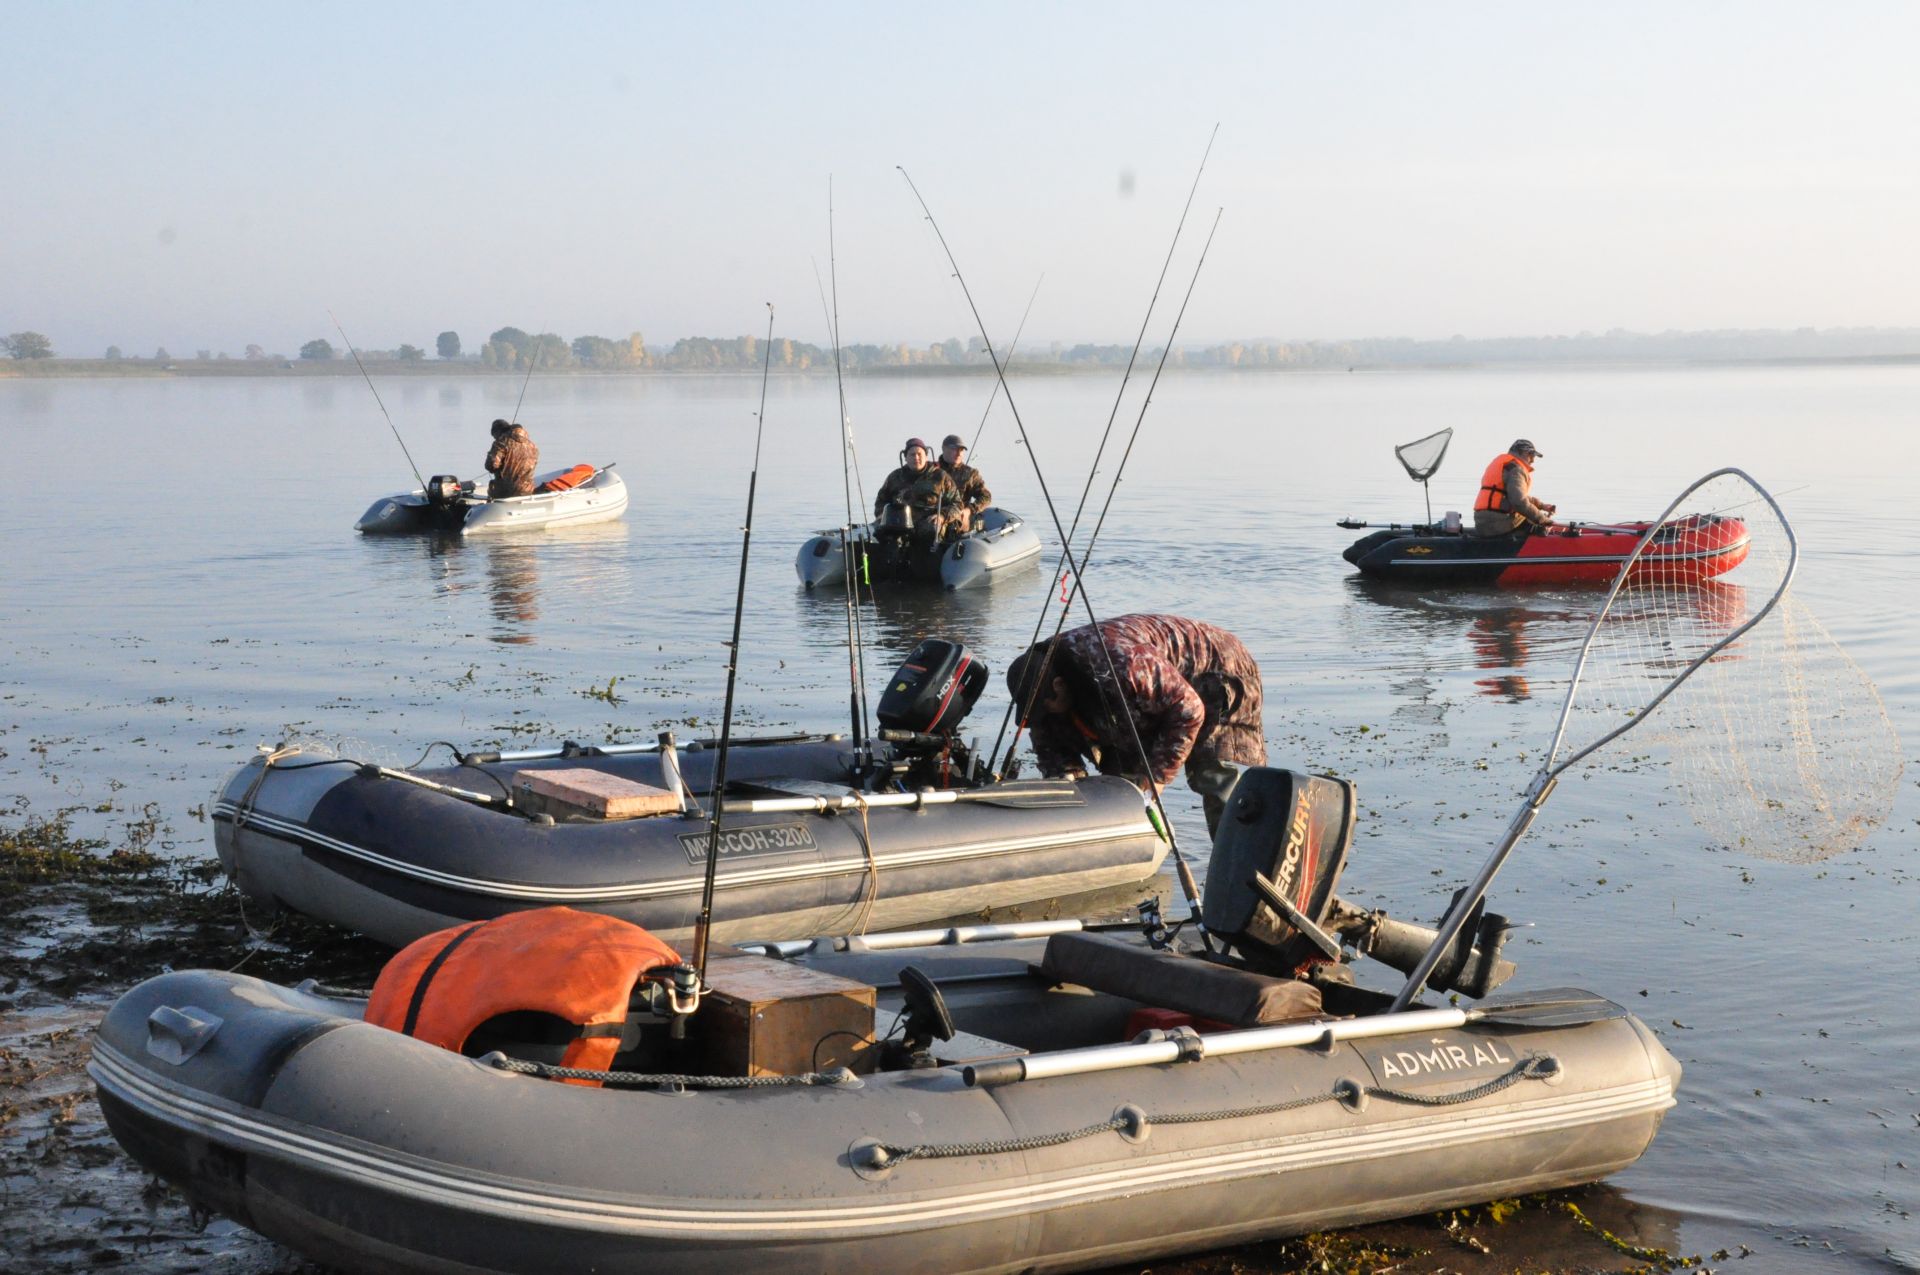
(569, 480)
(1493, 483)
(578, 966)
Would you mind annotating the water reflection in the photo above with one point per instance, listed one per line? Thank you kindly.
(518, 574)
(1503, 633)
(513, 590)
(895, 622)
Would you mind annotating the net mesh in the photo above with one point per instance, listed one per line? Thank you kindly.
(1422, 456)
(1776, 742)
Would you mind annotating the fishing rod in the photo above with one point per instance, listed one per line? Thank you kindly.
(704, 923)
(1087, 489)
(376, 398)
(1086, 551)
(1187, 883)
(994, 397)
(539, 343)
(850, 585)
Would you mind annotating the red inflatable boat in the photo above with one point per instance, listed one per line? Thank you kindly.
(1685, 550)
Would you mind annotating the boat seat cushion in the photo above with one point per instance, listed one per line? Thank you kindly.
(1170, 980)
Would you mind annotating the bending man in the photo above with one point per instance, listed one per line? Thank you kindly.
(1192, 689)
(511, 460)
(1505, 502)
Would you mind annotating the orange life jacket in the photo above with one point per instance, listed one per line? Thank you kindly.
(570, 479)
(1493, 483)
(578, 966)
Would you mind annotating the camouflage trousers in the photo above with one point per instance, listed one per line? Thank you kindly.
(1231, 733)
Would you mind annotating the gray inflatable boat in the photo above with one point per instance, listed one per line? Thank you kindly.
(811, 842)
(1050, 1098)
(447, 506)
(1003, 544)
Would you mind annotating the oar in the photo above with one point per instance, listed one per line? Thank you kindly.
(1555, 1007)
(1031, 794)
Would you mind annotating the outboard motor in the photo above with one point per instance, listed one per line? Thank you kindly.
(443, 489)
(895, 521)
(931, 693)
(1295, 830)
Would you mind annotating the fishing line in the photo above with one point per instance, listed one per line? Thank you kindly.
(1093, 470)
(1187, 883)
(850, 584)
(376, 398)
(973, 452)
(1086, 552)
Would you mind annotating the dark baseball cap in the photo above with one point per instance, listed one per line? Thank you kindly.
(912, 443)
(952, 440)
(1525, 445)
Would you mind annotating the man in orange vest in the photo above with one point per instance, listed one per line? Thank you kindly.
(1505, 502)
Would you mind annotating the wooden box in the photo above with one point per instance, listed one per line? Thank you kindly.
(763, 1016)
(579, 793)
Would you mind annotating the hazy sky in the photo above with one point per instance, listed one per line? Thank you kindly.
(207, 175)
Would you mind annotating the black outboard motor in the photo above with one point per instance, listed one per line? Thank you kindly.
(443, 489)
(895, 521)
(1295, 830)
(933, 691)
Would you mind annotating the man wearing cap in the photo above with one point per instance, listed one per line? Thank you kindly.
(1192, 689)
(511, 460)
(1505, 502)
(974, 496)
(922, 486)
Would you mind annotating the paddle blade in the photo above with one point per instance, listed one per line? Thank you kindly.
(1028, 794)
(1549, 1007)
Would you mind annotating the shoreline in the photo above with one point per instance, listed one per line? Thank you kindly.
(147, 369)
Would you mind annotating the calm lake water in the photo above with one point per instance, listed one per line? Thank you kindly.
(182, 582)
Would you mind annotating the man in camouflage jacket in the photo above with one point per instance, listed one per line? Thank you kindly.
(922, 486)
(974, 495)
(511, 460)
(1192, 689)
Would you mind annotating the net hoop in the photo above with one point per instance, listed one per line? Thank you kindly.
(1549, 770)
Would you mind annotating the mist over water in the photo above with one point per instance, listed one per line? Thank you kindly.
(182, 582)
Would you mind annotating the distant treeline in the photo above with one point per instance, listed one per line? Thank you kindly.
(510, 349)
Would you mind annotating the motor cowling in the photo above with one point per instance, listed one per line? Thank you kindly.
(933, 690)
(443, 489)
(1296, 830)
(895, 521)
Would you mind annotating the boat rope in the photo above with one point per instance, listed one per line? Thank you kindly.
(871, 890)
(1133, 1121)
(669, 1080)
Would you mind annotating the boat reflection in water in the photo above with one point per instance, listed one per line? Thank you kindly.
(895, 622)
(517, 574)
(1503, 637)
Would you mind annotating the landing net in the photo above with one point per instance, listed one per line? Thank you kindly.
(1706, 573)
(1782, 748)
(1773, 737)
(1776, 741)
(1422, 456)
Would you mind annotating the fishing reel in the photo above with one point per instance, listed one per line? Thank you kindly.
(926, 699)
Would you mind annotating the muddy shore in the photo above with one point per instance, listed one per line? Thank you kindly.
(87, 917)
